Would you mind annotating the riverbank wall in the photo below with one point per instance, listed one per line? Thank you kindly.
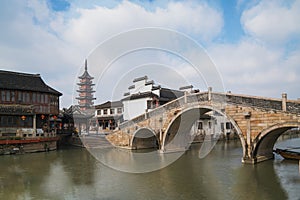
(27, 146)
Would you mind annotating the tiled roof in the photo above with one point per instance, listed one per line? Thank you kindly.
(139, 96)
(108, 104)
(85, 74)
(23, 81)
(170, 94)
(165, 95)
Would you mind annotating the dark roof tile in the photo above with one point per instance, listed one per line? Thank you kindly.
(22, 81)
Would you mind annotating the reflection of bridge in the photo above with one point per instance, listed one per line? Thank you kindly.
(258, 121)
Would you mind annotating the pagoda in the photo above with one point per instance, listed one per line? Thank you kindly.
(85, 99)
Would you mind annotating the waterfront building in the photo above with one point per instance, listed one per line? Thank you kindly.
(26, 102)
(29, 109)
(144, 96)
(109, 114)
(85, 98)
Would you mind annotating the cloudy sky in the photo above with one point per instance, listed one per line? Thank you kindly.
(255, 45)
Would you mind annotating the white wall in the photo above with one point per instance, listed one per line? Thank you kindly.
(134, 108)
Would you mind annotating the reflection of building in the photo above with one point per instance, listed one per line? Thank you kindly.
(214, 125)
(144, 95)
(85, 90)
(109, 114)
(26, 102)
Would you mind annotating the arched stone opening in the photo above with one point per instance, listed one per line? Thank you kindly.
(264, 143)
(144, 138)
(176, 135)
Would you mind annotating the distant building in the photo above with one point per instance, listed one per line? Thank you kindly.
(85, 98)
(144, 95)
(109, 114)
(27, 103)
(80, 119)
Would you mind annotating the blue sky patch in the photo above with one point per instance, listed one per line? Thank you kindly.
(59, 5)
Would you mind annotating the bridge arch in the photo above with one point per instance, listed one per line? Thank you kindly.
(264, 142)
(195, 112)
(144, 138)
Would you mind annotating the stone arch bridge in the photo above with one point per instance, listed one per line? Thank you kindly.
(258, 121)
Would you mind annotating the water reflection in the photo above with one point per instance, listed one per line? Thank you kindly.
(75, 174)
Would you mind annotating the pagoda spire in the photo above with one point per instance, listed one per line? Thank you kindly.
(85, 65)
(86, 97)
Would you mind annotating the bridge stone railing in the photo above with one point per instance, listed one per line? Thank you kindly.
(233, 99)
(273, 104)
(293, 107)
(264, 103)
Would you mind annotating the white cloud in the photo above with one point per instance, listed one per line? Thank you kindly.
(37, 40)
(275, 22)
(95, 25)
(252, 68)
(262, 63)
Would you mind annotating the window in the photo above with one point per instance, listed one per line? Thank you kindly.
(27, 97)
(228, 125)
(7, 95)
(112, 111)
(42, 98)
(98, 112)
(19, 97)
(46, 98)
(3, 95)
(34, 97)
(105, 111)
(209, 125)
(10, 121)
(119, 110)
(24, 97)
(38, 97)
(13, 96)
(200, 126)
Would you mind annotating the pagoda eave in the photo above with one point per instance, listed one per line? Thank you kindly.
(89, 91)
(85, 98)
(82, 83)
(86, 77)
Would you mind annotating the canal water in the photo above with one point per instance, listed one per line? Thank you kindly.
(76, 174)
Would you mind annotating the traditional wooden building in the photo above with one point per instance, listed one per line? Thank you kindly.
(109, 114)
(26, 101)
(85, 99)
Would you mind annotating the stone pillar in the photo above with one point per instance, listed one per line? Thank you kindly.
(248, 134)
(209, 93)
(284, 99)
